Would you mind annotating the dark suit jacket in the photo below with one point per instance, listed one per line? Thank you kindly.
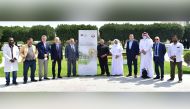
(131, 53)
(161, 52)
(42, 50)
(56, 54)
(70, 54)
(102, 50)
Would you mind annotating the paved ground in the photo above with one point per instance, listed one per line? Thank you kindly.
(100, 84)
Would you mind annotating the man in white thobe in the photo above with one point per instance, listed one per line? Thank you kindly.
(145, 47)
(117, 58)
(11, 55)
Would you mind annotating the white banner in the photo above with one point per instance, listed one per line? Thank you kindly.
(87, 52)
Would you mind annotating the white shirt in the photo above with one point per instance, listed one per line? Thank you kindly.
(176, 50)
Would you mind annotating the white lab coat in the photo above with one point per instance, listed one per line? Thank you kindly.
(8, 66)
(176, 50)
(146, 60)
(117, 64)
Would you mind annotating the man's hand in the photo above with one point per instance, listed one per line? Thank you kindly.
(12, 60)
(172, 57)
(116, 56)
(103, 55)
(143, 51)
(136, 57)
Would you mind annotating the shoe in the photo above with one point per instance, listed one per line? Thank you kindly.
(135, 76)
(171, 79)
(53, 78)
(68, 75)
(40, 79)
(102, 74)
(162, 79)
(108, 74)
(46, 78)
(59, 77)
(128, 75)
(180, 81)
(15, 83)
(7, 84)
(24, 82)
(156, 77)
(33, 80)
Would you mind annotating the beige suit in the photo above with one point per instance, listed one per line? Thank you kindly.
(24, 52)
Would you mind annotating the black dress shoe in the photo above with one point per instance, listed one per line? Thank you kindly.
(162, 79)
(24, 82)
(157, 78)
(102, 74)
(53, 78)
(33, 80)
(46, 78)
(59, 77)
(15, 83)
(108, 74)
(128, 75)
(40, 79)
(7, 84)
(171, 79)
(135, 76)
(180, 81)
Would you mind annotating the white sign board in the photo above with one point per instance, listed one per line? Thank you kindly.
(87, 52)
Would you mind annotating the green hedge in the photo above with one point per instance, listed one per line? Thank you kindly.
(122, 31)
(67, 31)
(187, 58)
(107, 31)
(187, 32)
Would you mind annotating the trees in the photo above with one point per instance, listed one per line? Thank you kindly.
(18, 33)
(187, 32)
(122, 31)
(67, 31)
(37, 31)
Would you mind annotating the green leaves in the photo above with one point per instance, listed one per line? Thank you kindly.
(122, 31)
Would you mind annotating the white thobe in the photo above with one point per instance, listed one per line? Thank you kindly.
(9, 66)
(117, 63)
(146, 59)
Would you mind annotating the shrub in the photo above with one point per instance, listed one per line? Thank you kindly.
(187, 58)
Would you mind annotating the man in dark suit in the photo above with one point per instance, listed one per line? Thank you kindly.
(132, 51)
(159, 53)
(43, 56)
(71, 55)
(56, 56)
(103, 52)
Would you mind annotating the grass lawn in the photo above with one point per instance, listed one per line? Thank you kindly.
(186, 70)
(185, 51)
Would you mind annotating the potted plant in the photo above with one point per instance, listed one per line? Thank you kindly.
(187, 58)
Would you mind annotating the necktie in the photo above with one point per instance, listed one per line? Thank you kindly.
(73, 48)
(156, 50)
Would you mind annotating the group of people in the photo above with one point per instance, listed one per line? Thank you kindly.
(29, 54)
(148, 50)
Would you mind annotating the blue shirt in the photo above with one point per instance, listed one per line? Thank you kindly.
(130, 44)
(156, 52)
